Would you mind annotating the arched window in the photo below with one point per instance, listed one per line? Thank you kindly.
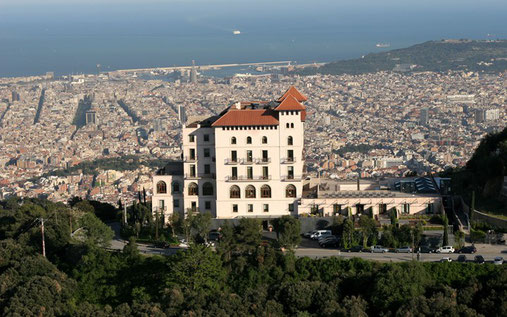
(290, 141)
(249, 140)
(292, 125)
(264, 140)
(176, 187)
(290, 191)
(193, 189)
(265, 191)
(207, 189)
(233, 140)
(287, 125)
(235, 192)
(161, 187)
(250, 191)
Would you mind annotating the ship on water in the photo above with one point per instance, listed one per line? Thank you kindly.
(236, 32)
(383, 45)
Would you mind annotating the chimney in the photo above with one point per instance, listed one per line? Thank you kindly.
(237, 105)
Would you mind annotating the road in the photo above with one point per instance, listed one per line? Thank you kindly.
(311, 249)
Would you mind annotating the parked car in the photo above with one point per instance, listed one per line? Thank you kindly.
(214, 235)
(498, 260)
(468, 249)
(404, 250)
(327, 238)
(446, 259)
(379, 249)
(320, 233)
(330, 243)
(183, 244)
(445, 249)
(426, 249)
(462, 258)
(309, 234)
(356, 248)
(479, 259)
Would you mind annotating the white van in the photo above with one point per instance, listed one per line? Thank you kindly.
(320, 233)
(446, 249)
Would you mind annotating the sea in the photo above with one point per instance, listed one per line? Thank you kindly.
(71, 39)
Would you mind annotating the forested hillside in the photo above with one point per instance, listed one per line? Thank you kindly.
(242, 278)
(482, 56)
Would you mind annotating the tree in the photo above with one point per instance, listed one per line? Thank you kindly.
(369, 230)
(248, 234)
(446, 229)
(173, 222)
(394, 216)
(200, 224)
(288, 231)
(198, 270)
(459, 238)
(94, 231)
(348, 237)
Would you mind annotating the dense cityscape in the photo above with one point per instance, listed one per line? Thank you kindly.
(368, 126)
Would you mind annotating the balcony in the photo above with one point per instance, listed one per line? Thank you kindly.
(209, 175)
(189, 159)
(230, 161)
(247, 161)
(291, 178)
(191, 176)
(264, 160)
(287, 160)
(247, 179)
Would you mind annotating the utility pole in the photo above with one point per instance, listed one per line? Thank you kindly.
(42, 232)
(156, 224)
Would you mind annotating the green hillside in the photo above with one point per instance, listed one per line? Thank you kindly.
(484, 174)
(487, 56)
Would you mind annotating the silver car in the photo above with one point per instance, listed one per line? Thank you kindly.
(498, 260)
(404, 250)
(379, 249)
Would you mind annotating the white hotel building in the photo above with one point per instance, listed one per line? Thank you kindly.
(246, 162)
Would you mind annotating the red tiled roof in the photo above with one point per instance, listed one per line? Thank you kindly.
(247, 117)
(290, 103)
(295, 93)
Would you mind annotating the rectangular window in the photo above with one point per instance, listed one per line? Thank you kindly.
(234, 172)
(337, 209)
(206, 138)
(264, 155)
(234, 208)
(291, 207)
(176, 203)
(191, 138)
(406, 208)
(290, 172)
(192, 154)
(250, 207)
(192, 170)
(265, 172)
(290, 155)
(207, 169)
(249, 172)
(161, 204)
(206, 152)
(234, 156)
(265, 207)
(249, 156)
(207, 205)
(194, 206)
